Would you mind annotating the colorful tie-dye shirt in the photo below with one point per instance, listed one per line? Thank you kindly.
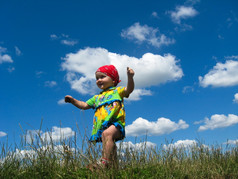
(109, 110)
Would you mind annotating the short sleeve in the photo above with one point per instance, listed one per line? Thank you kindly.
(121, 92)
(91, 102)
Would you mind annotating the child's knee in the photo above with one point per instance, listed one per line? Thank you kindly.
(106, 135)
(110, 133)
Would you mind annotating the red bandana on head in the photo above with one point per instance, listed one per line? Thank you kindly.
(110, 71)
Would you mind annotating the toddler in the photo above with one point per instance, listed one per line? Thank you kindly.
(109, 117)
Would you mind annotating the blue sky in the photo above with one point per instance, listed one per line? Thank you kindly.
(184, 54)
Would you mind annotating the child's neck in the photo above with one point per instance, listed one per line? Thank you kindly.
(109, 88)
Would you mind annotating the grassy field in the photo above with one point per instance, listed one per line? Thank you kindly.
(45, 158)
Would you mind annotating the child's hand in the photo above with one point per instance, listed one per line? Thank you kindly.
(68, 99)
(130, 72)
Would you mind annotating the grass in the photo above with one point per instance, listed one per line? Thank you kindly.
(42, 157)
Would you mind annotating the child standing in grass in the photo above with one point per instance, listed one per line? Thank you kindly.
(109, 117)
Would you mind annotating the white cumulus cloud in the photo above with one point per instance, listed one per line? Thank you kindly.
(4, 58)
(146, 34)
(32, 154)
(56, 134)
(182, 12)
(137, 146)
(235, 100)
(185, 144)
(222, 75)
(61, 102)
(2, 134)
(162, 126)
(181, 144)
(137, 93)
(150, 69)
(232, 142)
(218, 121)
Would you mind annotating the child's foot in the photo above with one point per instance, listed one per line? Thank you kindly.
(99, 165)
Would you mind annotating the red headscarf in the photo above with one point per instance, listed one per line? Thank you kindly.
(110, 71)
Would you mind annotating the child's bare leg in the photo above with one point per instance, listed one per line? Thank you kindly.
(108, 139)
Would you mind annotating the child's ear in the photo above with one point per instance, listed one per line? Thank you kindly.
(114, 82)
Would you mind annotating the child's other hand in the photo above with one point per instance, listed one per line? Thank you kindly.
(68, 99)
(130, 72)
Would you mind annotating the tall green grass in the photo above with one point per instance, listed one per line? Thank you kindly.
(42, 157)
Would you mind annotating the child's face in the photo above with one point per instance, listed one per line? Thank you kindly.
(103, 81)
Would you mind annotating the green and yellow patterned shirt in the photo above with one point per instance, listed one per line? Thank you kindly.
(109, 110)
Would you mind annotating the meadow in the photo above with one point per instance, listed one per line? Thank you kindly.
(42, 157)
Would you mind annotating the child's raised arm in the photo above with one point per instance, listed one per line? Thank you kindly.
(77, 103)
(130, 82)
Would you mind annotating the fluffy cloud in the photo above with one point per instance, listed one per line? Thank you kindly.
(150, 69)
(185, 144)
(162, 126)
(2, 134)
(4, 58)
(57, 150)
(182, 12)
(219, 121)
(137, 93)
(146, 34)
(232, 142)
(235, 100)
(61, 102)
(181, 144)
(222, 75)
(137, 146)
(56, 134)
